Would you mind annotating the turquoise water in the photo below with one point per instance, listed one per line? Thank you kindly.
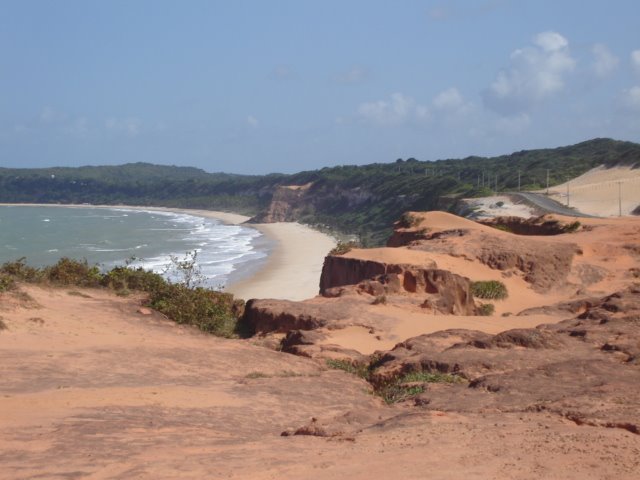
(109, 237)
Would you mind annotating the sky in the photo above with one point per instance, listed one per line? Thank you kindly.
(259, 86)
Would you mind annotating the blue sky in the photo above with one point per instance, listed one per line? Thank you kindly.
(286, 85)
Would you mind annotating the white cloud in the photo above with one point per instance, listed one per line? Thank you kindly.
(635, 60)
(252, 121)
(550, 41)
(353, 75)
(604, 62)
(130, 126)
(398, 109)
(536, 72)
(631, 98)
(449, 99)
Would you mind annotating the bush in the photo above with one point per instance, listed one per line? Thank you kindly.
(486, 309)
(6, 282)
(21, 271)
(210, 311)
(126, 278)
(348, 366)
(343, 247)
(491, 289)
(572, 227)
(409, 220)
(73, 272)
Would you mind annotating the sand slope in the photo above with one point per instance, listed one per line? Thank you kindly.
(91, 389)
(599, 191)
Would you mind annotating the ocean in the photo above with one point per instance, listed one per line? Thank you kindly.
(116, 236)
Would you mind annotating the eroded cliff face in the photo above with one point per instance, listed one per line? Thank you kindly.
(444, 292)
(287, 204)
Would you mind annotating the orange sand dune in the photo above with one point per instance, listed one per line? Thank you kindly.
(92, 389)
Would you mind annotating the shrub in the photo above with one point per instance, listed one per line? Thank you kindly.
(343, 247)
(126, 278)
(409, 220)
(21, 271)
(572, 227)
(491, 289)
(486, 309)
(395, 392)
(6, 282)
(348, 366)
(73, 272)
(210, 311)
(431, 377)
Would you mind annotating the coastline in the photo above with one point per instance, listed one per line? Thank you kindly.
(291, 270)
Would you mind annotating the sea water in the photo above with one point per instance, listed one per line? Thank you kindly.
(114, 236)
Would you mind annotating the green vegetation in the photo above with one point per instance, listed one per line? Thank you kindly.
(409, 220)
(431, 377)
(398, 388)
(211, 311)
(489, 289)
(409, 385)
(572, 227)
(360, 370)
(356, 200)
(6, 282)
(343, 247)
(486, 309)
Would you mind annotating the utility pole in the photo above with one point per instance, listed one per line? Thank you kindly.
(518, 180)
(619, 198)
(495, 191)
(482, 178)
(548, 183)
(568, 194)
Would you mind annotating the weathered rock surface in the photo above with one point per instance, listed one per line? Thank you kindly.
(586, 368)
(448, 293)
(544, 264)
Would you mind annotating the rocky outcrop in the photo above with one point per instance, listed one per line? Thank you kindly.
(447, 292)
(543, 225)
(265, 316)
(586, 369)
(543, 263)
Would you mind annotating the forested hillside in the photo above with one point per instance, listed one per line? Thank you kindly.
(354, 199)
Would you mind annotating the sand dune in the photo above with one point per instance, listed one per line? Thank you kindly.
(605, 192)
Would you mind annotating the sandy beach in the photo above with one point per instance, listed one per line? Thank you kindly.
(291, 271)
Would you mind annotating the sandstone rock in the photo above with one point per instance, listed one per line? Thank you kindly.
(585, 369)
(451, 292)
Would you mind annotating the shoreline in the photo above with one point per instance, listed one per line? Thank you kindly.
(291, 270)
